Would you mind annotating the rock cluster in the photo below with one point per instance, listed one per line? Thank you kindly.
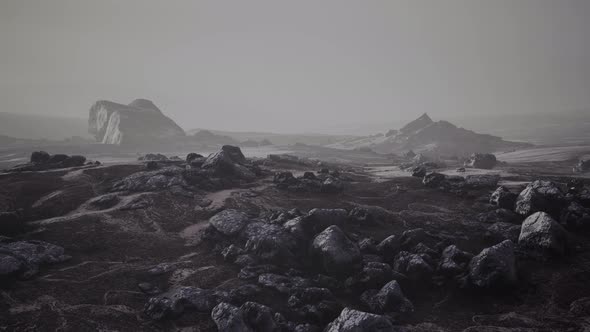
(220, 170)
(482, 160)
(457, 183)
(312, 260)
(325, 182)
(22, 259)
(41, 160)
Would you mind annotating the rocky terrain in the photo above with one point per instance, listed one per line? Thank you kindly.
(284, 243)
(140, 122)
(432, 138)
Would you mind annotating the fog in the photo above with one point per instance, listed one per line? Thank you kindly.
(297, 66)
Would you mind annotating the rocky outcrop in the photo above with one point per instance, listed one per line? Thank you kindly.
(334, 252)
(140, 122)
(41, 161)
(503, 198)
(540, 233)
(433, 138)
(494, 266)
(482, 160)
(540, 196)
(23, 258)
(351, 320)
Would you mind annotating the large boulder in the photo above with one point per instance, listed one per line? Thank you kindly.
(229, 161)
(494, 266)
(334, 252)
(228, 318)
(542, 234)
(271, 242)
(538, 196)
(174, 302)
(414, 266)
(229, 222)
(40, 157)
(454, 261)
(23, 258)
(140, 122)
(151, 180)
(351, 320)
(389, 298)
(503, 198)
(482, 160)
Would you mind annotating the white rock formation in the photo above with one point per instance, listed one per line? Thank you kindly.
(139, 122)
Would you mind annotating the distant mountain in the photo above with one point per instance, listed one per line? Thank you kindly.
(38, 126)
(140, 122)
(279, 139)
(429, 137)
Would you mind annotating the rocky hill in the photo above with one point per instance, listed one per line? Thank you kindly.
(431, 137)
(139, 122)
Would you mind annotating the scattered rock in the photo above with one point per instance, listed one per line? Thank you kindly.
(174, 302)
(334, 252)
(351, 320)
(494, 267)
(229, 222)
(414, 266)
(25, 257)
(542, 234)
(482, 160)
(454, 261)
(538, 196)
(503, 198)
(153, 157)
(389, 299)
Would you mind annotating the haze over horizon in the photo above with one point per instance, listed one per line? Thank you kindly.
(296, 67)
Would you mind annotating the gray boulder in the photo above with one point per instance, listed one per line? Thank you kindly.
(454, 261)
(151, 180)
(389, 298)
(503, 198)
(541, 233)
(482, 160)
(334, 252)
(494, 266)
(174, 302)
(351, 320)
(228, 318)
(23, 258)
(540, 196)
(271, 243)
(414, 266)
(229, 222)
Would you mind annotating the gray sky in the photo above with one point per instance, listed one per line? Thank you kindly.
(293, 66)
